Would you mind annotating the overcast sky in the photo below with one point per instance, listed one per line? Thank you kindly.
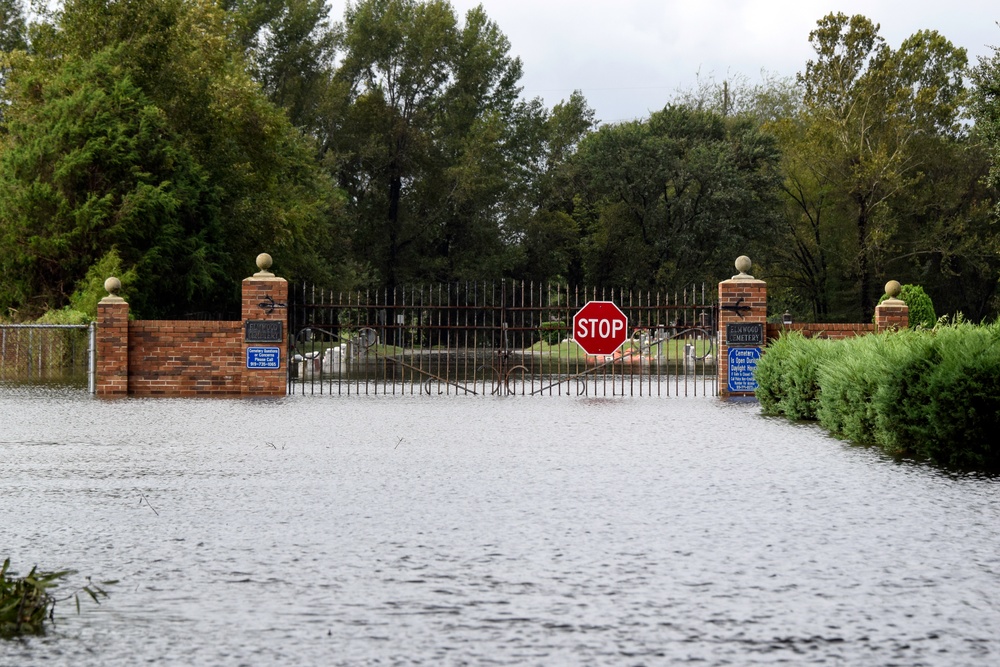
(630, 57)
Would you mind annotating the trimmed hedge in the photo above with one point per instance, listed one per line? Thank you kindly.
(931, 394)
(786, 375)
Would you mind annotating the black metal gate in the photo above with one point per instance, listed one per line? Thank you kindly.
(497, 338)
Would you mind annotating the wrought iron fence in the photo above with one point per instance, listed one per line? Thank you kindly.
(48, 353)
(497, 338)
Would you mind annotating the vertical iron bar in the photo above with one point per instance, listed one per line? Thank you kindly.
(92, 358)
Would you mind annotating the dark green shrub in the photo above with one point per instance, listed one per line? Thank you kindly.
(964, 391)
(552, 332)
(901, 401)
(931, 393)
(921, 308)
(801, 399)
(770, 372)
(848, 381)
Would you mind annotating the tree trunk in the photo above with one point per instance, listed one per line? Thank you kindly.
(864, 270)
(392, 256)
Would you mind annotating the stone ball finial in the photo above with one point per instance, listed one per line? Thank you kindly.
(263, 263)
(893, 288)
(743, 265)
(112, 286)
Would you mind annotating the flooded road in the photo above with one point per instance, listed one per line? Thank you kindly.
(508, 531)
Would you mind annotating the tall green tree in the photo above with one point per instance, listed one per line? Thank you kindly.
(93, 167)
(13, 29)
(986, 110)
(948, 240)
(13, 36)
(548, 246)
(867, 105)
(290, 46)
(675, 198)
(807, 268)
(435, 148)
(134, 126)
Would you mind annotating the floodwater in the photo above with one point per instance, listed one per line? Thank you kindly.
(381, 530)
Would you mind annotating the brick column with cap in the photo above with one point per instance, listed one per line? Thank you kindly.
(265, 299)
(742, 315)
(892, 314)
(112, 342)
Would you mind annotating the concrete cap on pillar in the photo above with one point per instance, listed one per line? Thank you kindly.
(893, 288)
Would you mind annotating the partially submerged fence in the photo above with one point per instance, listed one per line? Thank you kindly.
(507, 337)
(63, 353)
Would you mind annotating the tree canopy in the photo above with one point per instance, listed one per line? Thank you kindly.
(867, 110)
(674, 199)
(134, 126)
(435, 147)
(173, 140)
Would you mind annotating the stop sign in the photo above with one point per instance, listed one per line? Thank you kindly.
(600, 327)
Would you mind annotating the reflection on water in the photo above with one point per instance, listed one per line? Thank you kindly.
(451, 530)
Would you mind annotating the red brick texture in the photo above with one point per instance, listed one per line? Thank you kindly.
(892, 315)
(813, 330)
(112, 347)
(184, 358)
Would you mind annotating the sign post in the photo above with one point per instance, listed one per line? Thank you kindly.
(600, 327)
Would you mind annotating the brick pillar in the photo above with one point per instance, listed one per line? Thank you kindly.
(892, 314)
(265, 299)
(112, 342)
(743, 318)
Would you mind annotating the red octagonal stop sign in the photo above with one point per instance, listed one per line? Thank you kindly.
(600, 327)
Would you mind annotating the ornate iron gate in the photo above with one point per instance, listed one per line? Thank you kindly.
(497, 338)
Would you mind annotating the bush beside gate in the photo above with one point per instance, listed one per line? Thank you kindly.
(932, 394)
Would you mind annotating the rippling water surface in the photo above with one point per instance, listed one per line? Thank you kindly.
(522, 531)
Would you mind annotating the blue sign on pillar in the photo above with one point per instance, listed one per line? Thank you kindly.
(742, 364)
(263, 357)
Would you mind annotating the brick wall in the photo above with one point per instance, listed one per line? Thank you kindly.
(814, 330)
(182, 358)
(743, 299)
(169, 358)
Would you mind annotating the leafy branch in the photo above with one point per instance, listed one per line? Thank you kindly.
(26, 602)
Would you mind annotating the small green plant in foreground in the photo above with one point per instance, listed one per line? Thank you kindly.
(26, 602)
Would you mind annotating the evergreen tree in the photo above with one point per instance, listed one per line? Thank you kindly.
(134, 126)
